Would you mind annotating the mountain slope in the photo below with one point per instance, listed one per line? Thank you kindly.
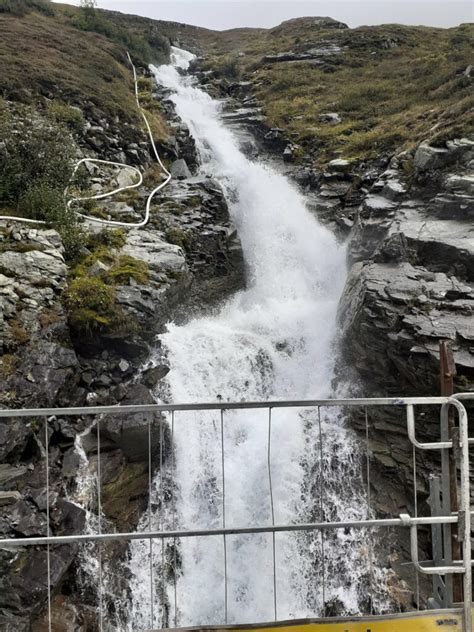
(356, 93)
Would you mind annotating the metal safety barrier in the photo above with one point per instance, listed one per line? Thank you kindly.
(443, 567)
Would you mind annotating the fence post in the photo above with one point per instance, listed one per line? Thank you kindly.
(449, 473)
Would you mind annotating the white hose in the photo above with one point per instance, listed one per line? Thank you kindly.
(101, 196)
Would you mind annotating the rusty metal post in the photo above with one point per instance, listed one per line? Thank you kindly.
(447, 373)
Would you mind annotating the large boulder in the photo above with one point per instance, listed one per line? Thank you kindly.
(180, 170)
(149, 303)
(429, 158)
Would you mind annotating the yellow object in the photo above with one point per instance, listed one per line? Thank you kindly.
(433, 621)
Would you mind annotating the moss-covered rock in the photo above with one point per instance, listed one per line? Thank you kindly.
(90, 303)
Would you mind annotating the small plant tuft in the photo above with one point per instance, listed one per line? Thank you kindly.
(8, 365)
(128, 268)
(90, 303)
(179, 237)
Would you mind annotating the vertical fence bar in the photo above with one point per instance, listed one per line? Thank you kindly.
(369, 511)
(173, 511)
(48, 532)
(99, 510)
(162, 526)
(150, 525)
(321, 507)
(269, 457)
(223, 518)
(464, 530)
(450, 581)
(415, 504)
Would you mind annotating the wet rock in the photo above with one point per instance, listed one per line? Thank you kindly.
(26, 520)
(14, 436)
(317, 54)
(158, 254)
(12, 475)
(394, 248)
(274, 140)
(393, 316)
(124, 366)
(427, 157)
(460, 183)
(130, 432)
(339, 165)
(393, 189)
(289, 153)
(44, 372)
(9, 498)
(71, 464)
(409, 287)
(69, 518)
(180, 170)
(153, 375)
(29, 578)
(149, 303)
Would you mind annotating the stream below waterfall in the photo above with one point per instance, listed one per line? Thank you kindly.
(273, 340)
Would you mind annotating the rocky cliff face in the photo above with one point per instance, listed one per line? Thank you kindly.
(410, 286)
(186, 258)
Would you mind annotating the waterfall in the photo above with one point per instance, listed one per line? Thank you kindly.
(273, 340)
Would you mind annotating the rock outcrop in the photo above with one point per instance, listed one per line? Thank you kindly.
(410, 286)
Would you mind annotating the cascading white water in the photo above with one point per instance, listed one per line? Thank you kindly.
(273, 340)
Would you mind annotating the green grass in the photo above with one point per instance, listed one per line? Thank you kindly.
(43, 56)
(91, 301)
(127, 268)
(22, 7)
(145, 46)
(388, 98)
(392, 85)
(91, 304)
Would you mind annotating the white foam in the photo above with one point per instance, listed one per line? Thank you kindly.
(272, 340)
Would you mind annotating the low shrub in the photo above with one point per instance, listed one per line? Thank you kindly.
(22, 7)
(42, 201)
(43, 153)
(66, 114)
(146, 48)
(19, 332)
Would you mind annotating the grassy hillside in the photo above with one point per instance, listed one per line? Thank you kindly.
(40, 60)
(59, 51)
(391, 85)
(66, 89)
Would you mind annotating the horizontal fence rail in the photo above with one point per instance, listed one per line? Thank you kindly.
(461, 520)
(403, 521)
(193, 407)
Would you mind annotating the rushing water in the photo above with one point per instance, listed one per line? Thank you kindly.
(273, 340)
